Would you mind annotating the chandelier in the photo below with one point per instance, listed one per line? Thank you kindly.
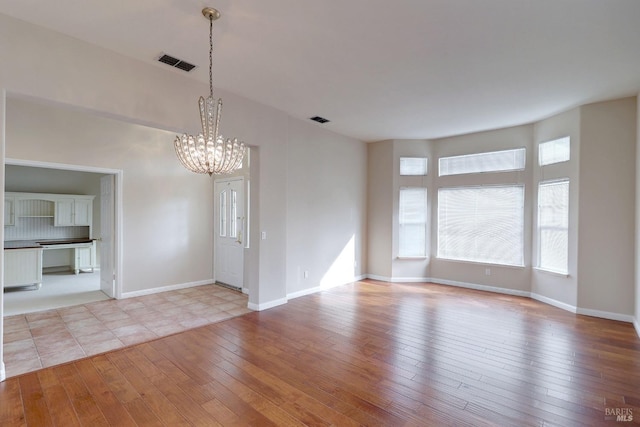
(210, 152)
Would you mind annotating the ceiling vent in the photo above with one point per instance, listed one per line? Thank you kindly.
(176, 63)
(319, 119)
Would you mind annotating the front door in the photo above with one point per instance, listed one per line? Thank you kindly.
(229, 231)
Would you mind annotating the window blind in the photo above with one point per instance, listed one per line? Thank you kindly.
(412, 222)
(482, 224)
(495, 161)
(553, 226)
(413, 166)
(556, 151)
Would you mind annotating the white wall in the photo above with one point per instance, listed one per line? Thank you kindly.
(167, 210)
(558, 289)
(507, 279)
(380, 209)
(167, 224)
(67, 71)
(63, 70)
(602, 211)
(607, 206)
(326, 208)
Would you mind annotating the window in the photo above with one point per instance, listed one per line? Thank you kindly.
(233, 208)
(223, 214)
(228, 226)
(413, 166)
(556, 151)
(412, 238)
(482, 224)
(495, 161)
(553, 226)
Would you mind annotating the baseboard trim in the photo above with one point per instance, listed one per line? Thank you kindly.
(410, 279)
(320, 288)
(555, 303)
(267, 305)
(152, 291)
(559, 304)
(478, 287)
(305, 292)
(398, 279)
(380, 278)
(606, 315)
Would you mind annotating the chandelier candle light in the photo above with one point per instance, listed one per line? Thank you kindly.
(210, 152)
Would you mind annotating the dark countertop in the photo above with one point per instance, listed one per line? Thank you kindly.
(25, 244)
(21, 244)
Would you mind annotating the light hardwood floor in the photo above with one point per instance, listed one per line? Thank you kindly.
(368, 353)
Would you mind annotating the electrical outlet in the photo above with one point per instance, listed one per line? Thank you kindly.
(487, 272)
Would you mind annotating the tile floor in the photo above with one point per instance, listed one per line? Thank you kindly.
(37, 340)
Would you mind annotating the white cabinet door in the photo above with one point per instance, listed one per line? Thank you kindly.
(83, 210)
(64, 212)
(9, 211)
(22, 267)
(73, 211)
(84, 259)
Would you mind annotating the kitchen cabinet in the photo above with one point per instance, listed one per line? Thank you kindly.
(77, 255)
(65, 209)
(83, 211)
(72, 211)
(9, 210)
(23, 267)
(64, 212)
(85, 258)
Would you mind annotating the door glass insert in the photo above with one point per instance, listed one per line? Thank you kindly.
(223, 214)
(233, 217)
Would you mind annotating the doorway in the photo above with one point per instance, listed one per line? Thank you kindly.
(60, 286)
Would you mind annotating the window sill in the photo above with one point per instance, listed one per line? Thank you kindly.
(418, 258)
(551, 272)
(487, 264)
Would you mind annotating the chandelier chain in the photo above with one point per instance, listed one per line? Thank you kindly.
(211, 56)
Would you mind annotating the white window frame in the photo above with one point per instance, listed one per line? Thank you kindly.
(447, 250)
(563, 227)
(411, 221)
(408, 166)
(483, 162)
(555, 149)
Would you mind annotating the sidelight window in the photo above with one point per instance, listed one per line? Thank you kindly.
(223, 214)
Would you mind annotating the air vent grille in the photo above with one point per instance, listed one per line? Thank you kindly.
(176, 63)
(319, 119)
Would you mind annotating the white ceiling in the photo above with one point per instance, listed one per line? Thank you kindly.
(379, 69)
